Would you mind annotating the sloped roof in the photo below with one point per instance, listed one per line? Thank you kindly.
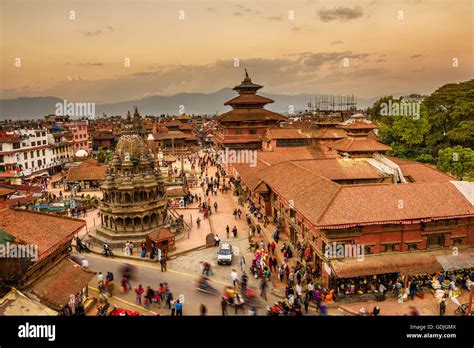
(281, 154)
(43, 230)
(86, 172)
(378, 203)
(250, 115)
(340, 169)
(248, 174)
(311, 193)
(64, 279)
(358, 144)
(421, 172)
(246, 99)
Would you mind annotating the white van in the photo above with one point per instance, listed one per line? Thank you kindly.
(224, 254)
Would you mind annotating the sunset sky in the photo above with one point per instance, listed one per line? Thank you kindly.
(83, 59)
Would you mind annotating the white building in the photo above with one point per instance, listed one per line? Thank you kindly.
(26, 151)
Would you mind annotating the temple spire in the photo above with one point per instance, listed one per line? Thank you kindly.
(247, 78)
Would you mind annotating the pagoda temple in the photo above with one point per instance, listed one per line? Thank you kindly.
(134, 201)
(358, 142)
(244, 125)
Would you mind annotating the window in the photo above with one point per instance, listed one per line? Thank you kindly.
(39, 163)
(44, 142)
(390, 247)
(456, 241)
(33, 143)
(44, 152)
(37, 153)
(1, 159)
(16, 145)
(32, 164)
(368, 249)
(26, 165)
(32, 154)
(412, 246)
(43, 133)
(25, 155)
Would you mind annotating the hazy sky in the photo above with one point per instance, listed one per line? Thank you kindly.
(362, 47)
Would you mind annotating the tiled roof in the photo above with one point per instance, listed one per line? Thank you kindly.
(249, 99)
(248, 174)
(43, 230)
(420, 172)
(281, 154)
(362, 204)
(250, 115)
(86, 172)
(358, 144)
(310, 193)
(64, 279)
(340, 169)
(173, 122)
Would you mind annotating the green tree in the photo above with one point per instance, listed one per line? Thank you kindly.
(458, 161)
(103, 156)
(451, 115)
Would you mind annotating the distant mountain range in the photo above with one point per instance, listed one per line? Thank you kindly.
(193, 103)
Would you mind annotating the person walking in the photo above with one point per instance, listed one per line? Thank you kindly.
(198, 222)
(172, 308)
(412, 289)
(203, 310)
(169, 299)
(442, 307)
(242, 263)
(216, 240)
(224, 306)
(234, 232)
(235, 277)
(227, 230)
(215, 206)
(163, 263)
(179, 308)
(139, 292)
(263, 288)
(281, 273)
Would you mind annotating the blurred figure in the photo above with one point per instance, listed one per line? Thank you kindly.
(414, 312)
(203, 310)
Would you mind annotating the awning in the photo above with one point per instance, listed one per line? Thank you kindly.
(456, 261)
(409, 263)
